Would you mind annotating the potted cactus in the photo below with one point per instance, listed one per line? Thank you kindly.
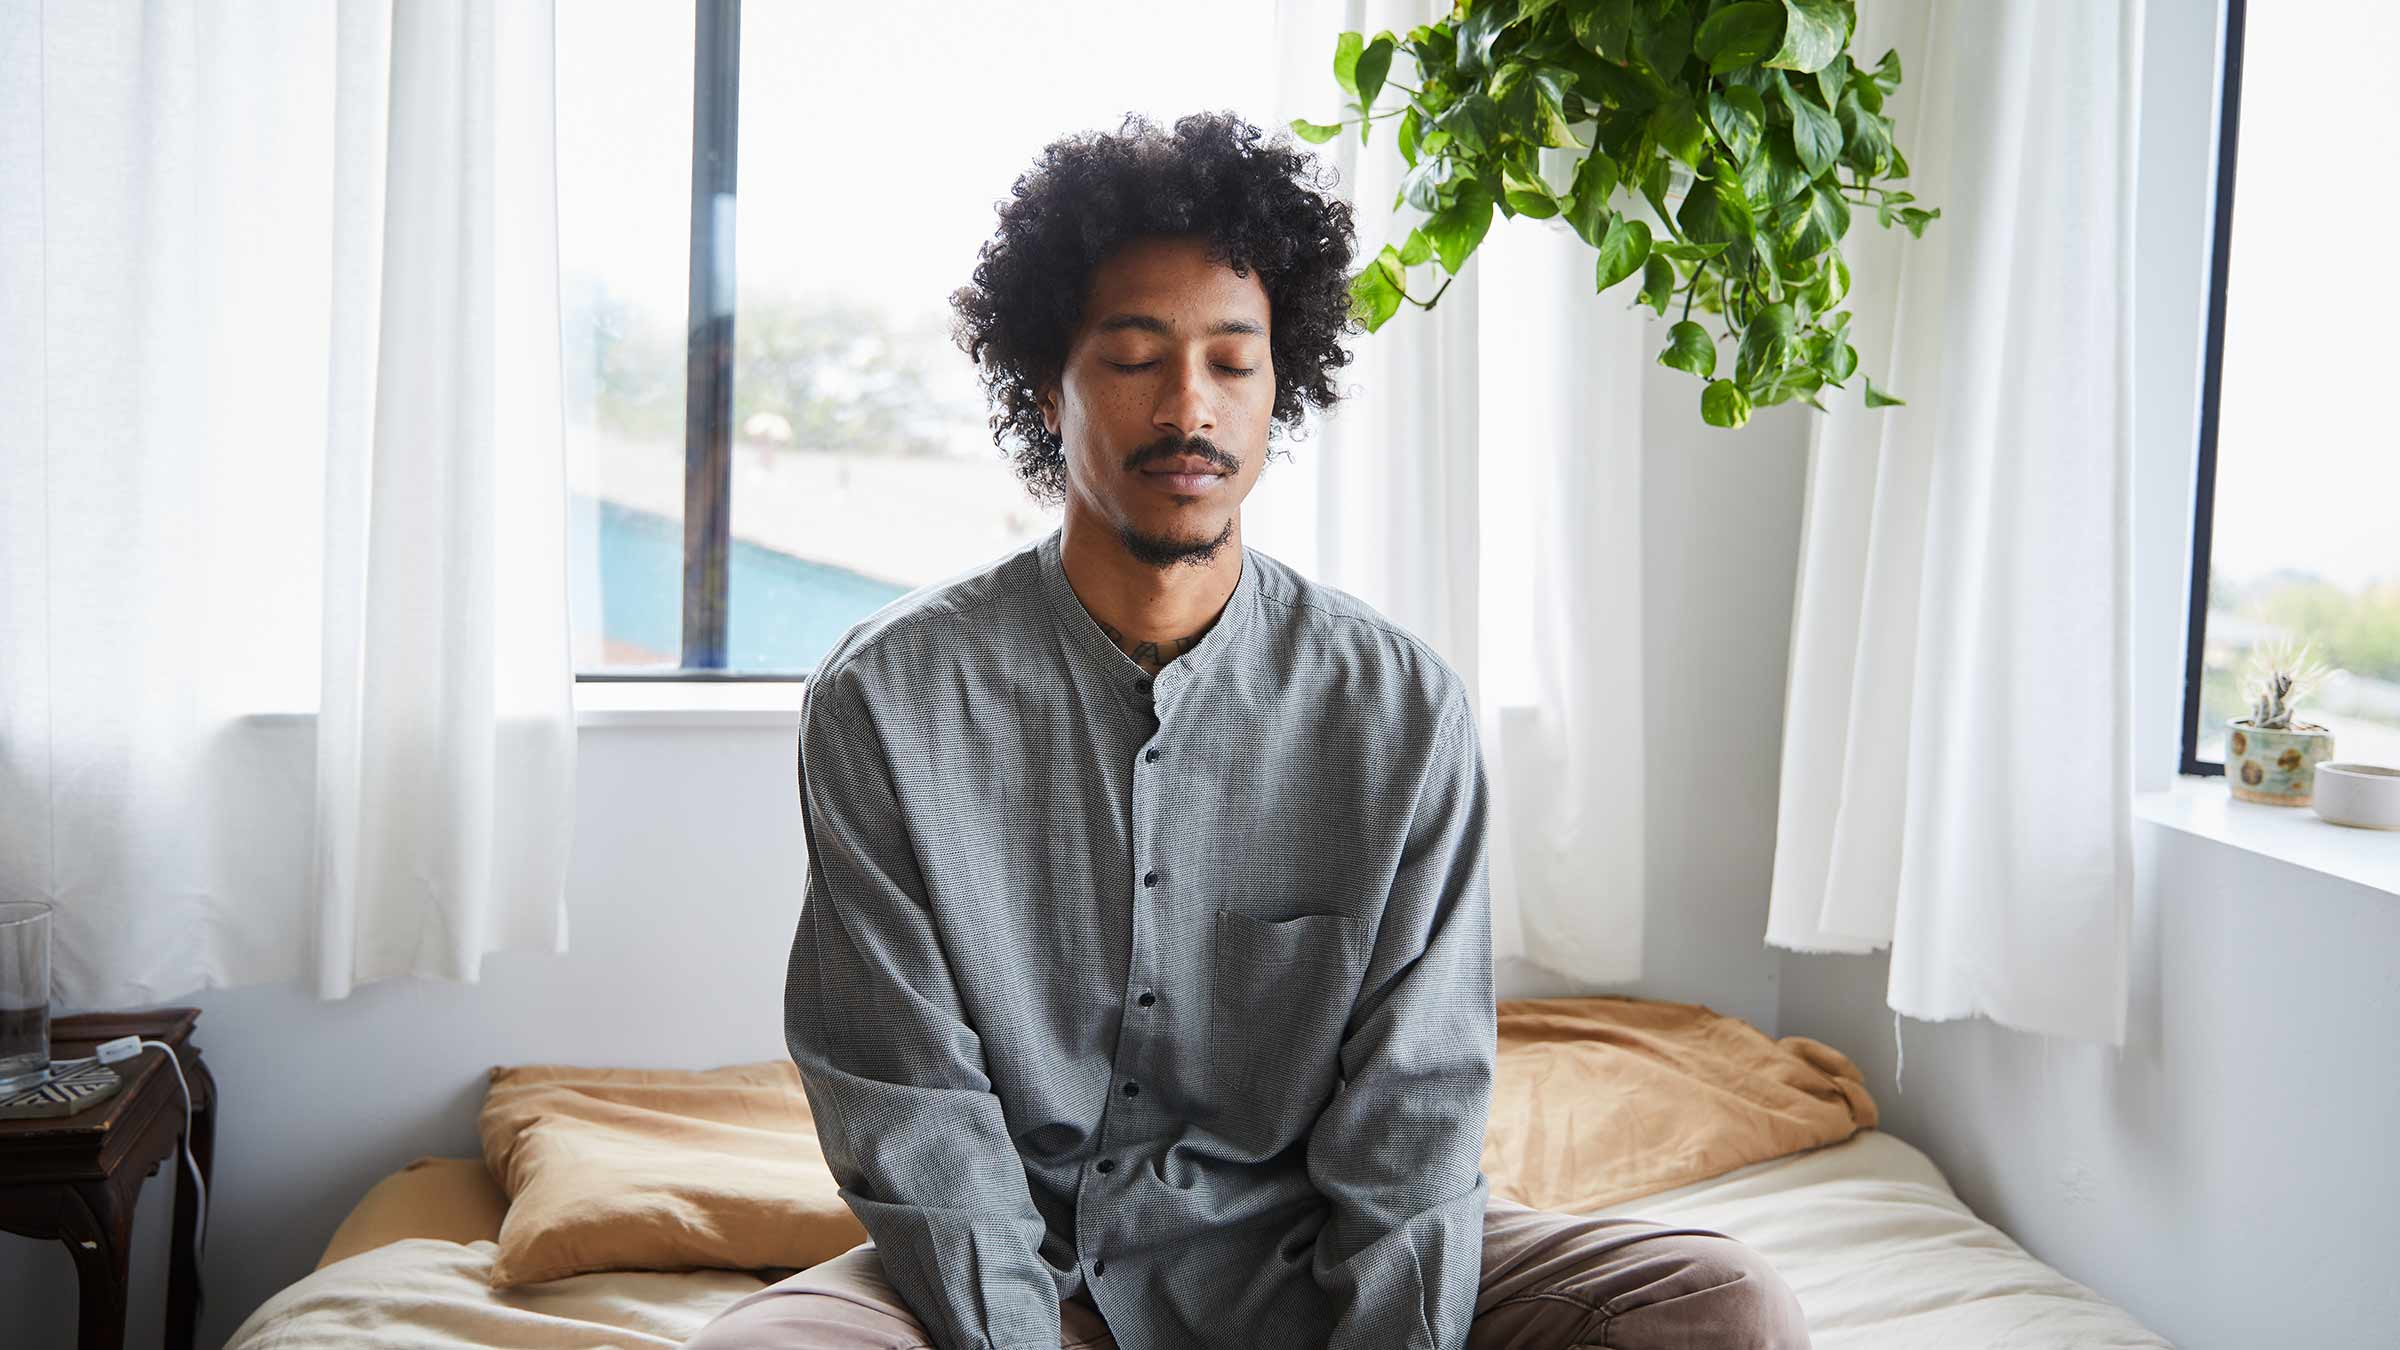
(2270, 756)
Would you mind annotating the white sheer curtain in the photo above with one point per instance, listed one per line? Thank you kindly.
(1957, 752)
(1482, 487)
(279, 434)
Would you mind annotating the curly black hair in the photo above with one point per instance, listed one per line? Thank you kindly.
(1261, 207)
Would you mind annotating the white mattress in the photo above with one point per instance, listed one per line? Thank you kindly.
(1881, 1253)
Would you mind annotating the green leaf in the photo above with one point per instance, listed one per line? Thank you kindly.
(1774, 175)
(1408, 136)
(1658, 281)
(1421, 186)
(1682, 252)
(1915, 219)
(1483, 27)
(1887, 72)
(1738, 35)
(1587, 208)
(1831, 80)
(1416, 249)
(1393, 267)
(1530, 202)
(1690, 348)
(1623, 250)
(1813, 34)
(1668, 44)
(1798, 383)
(1604, 27)
(1876, 398)
(1373, 64)
(1474, 121)
(1821, 223)
(1723, 404)
(1816, 136)
(1373, 297)
(1715, 212)
(1765, 342)
(1458, 228)
(1830, 286)
(1595, 179)
(1677, 126)
(1345, 61)
(1315, 133)
(1867, 140)
(1841, 359)
(1740, 117)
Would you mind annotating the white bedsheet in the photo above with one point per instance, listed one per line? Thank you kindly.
(1880, 1251)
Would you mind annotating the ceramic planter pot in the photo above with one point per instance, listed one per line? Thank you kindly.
(2278, 768)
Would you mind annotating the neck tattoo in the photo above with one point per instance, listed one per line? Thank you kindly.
(1150, 656)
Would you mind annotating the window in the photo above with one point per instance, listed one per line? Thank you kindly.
(2297, 534)
(848, 158)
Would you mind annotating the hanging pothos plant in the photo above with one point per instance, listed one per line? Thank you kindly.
(1751, 109)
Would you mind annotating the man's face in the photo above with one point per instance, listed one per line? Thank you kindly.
(1169, 367)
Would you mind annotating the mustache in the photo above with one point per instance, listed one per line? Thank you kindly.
(1171, 448)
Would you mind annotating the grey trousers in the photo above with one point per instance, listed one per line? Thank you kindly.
(1550, 1282)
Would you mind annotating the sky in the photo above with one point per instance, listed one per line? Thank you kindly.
(2308, 442)
(874, 139)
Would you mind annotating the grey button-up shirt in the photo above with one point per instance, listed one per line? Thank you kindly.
(1172, 994)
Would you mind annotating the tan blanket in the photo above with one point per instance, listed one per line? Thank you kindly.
(1597, 1100)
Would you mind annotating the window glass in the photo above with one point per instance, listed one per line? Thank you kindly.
(2307, 498)
(624, 74)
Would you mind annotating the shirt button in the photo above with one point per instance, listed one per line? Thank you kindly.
(1132, 1088)
(1149, 878)
(1100, 1267)
(1107, 1166)
(1148, 998)
(1142, 687)
(1151, 754)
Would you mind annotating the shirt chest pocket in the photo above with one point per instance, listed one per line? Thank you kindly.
(1281, 991)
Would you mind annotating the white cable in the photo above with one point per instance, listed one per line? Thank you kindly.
(199, 1187)
(126, 1047)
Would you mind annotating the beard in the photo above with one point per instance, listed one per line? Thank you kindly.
(1164, 551)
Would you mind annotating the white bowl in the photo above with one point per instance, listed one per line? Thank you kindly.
(2366, 795)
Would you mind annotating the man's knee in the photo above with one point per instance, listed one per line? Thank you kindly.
(1711, 1292)
(844, 1303)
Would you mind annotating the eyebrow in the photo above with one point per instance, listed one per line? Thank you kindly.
(1152, 324)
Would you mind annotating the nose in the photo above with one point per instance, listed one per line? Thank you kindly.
(1183, 403)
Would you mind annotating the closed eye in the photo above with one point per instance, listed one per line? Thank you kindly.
(1145, 365)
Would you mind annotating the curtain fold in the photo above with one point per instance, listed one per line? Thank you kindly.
(1957, 757)
(1481, 486)
(285, 689)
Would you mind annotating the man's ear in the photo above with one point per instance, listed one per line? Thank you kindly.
(1048, 396)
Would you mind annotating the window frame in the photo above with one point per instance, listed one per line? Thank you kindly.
(2212, 370)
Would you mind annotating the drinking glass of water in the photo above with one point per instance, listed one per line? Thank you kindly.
(24, 994)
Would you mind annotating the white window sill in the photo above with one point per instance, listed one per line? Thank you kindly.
(2294, 834)
(688, 703)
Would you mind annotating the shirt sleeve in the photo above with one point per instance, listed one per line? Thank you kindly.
(1398, 1152)
(894, 1074)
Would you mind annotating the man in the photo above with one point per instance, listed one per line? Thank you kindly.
(1143, 988)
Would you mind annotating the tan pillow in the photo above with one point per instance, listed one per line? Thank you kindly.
(448, 1198)
(1600, 1100)
(658, 1169)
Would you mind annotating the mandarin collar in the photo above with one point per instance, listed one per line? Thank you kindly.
(1121, 671)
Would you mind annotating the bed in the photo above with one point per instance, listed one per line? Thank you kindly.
(1599, 1102)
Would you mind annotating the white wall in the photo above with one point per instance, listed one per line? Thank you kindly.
(2229, 1177)
(687, 878)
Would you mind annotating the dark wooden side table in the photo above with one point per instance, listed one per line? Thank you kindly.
(76, 1178)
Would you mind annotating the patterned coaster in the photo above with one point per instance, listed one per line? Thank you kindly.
(67, 1092)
